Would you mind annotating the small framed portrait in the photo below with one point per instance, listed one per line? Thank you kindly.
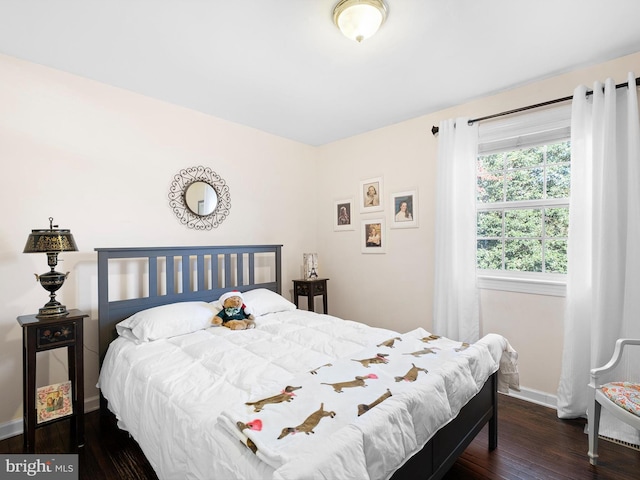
(371, 195)
(343, 215)
(405, 209)
(54, 401)
(373, 236)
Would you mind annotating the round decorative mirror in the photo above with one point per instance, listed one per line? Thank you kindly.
(199, 198)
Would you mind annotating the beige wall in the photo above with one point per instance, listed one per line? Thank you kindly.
(100, 161)
(370, 288)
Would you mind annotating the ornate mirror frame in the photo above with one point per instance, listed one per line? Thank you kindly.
(178, 194)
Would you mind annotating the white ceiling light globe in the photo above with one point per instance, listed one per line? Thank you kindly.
(359, 19)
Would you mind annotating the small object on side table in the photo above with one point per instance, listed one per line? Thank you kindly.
(310, 288)
(39, 335)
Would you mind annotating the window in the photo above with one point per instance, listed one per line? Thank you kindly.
(523, 188)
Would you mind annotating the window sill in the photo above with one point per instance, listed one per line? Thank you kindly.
(555, 288)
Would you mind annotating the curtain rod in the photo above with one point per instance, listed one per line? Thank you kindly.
(435, 130)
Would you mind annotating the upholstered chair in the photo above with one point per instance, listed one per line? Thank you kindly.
(620, 398)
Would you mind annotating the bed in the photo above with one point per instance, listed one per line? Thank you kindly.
(183, 389)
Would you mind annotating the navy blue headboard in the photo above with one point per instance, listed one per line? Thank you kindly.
(178, 274)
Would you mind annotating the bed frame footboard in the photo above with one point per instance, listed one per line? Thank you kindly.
(442, 451)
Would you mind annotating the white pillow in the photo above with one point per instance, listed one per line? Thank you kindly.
(263, 301)
(167, 321)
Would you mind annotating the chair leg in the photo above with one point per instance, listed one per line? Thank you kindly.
(594, 424)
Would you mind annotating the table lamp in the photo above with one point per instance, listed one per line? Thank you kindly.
(52, 242)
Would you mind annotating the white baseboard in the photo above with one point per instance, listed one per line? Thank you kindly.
(11, 429)
(536, 396)
(14, 427)
(91, 404)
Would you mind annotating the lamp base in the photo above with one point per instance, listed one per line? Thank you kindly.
(52, 311)
(52, 281)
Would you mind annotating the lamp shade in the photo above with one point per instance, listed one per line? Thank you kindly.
(359, 19)
(44, 241)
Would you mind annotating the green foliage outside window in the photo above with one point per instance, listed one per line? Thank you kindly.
(523, 209)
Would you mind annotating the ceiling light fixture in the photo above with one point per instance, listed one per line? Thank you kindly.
(359, 19)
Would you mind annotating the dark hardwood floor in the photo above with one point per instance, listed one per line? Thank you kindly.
(532, 444)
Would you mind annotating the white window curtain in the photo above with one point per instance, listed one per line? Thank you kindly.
(603, 281)
(456, 311)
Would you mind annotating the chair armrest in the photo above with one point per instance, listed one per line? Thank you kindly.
(615, 359)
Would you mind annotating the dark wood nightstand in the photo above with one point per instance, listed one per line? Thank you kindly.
(39, 335)
(310, 288)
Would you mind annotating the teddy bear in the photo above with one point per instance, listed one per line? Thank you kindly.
(234, 314)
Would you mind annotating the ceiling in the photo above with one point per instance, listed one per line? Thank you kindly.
(282, 66)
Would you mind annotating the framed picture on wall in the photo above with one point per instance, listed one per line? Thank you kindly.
(373, 236)
(405, 209)
(343, 215)
(371, 195)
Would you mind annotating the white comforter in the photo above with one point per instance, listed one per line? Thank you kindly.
(172, 394)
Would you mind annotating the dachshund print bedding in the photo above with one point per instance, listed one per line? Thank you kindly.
(415, 384)
(370, 396)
